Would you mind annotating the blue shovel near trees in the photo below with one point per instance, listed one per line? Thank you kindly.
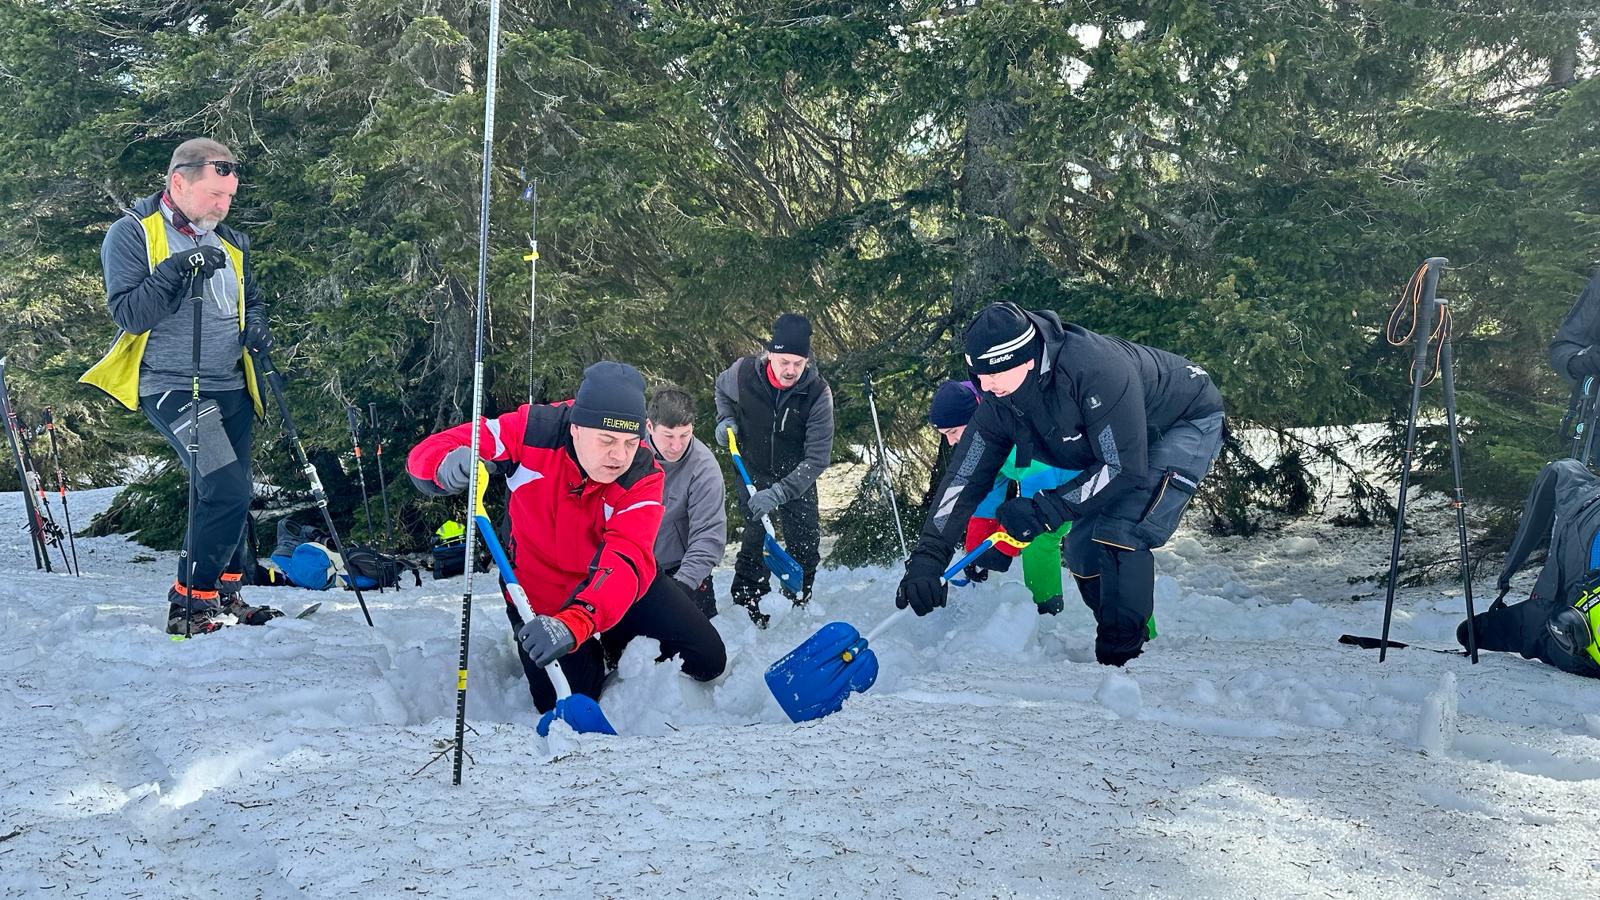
(816, 677)
(581, 713)
(778, 560)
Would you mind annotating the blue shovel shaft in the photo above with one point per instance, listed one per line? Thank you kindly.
(949, 573)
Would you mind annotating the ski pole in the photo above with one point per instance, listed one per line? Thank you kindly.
(883, 468)
(52, 531)
(1420, 290)
(531, 195)
(61, 484)
(354, 418)
(1459, 497)
(489, 90)
(266, 372)
(383, 487)
(188, 562)
(41, 551)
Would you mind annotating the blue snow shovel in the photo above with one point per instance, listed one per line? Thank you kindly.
(816, 677)
(582, 713)
(778, 560)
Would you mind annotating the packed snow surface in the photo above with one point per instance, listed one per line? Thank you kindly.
(1247, 754)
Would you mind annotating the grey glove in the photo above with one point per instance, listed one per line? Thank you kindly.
(454, 474)
(762, 503)
(722, 431)
(545, 640)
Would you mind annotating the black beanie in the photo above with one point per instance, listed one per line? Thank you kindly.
(791, 334)
(954, 402)
(611, 397)
(1001, 337)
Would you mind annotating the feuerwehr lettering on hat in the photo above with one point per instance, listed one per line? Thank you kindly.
(611, 396)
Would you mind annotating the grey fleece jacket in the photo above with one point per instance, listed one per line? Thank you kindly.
(141, 300)
(694, 528)
(819, 431)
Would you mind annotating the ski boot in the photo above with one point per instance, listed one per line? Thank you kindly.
(192, 612)
(230, 595)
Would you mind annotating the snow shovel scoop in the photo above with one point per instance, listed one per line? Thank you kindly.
(581, 713)
(778, 560)
(816, 677)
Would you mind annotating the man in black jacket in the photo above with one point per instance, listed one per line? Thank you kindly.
(1143, 427)
(782, 412)
(172, 246)
(1573, 353)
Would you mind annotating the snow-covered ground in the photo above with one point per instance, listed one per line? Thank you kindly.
(1246, 755)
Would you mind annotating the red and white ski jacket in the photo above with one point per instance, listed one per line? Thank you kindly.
(584, 551)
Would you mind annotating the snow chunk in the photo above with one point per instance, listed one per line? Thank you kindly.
(1119, 693)
(1436, 727)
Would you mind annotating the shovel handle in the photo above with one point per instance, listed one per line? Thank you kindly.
(999, 537)
(518, 596)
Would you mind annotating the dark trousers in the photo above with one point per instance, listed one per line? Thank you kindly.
(665, 613)
(1522, 628)
(1108, 553)
(703, 594)
(800, 532)
(222, 480)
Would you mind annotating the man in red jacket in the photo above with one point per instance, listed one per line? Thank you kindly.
(585, 507)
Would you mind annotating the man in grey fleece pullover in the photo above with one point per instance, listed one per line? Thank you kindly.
(782, 412)
(694, 530)
(170, 247)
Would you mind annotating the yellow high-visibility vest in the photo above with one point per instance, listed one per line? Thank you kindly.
(117, 373)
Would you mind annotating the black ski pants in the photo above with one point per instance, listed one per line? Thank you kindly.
(223, 477)
(799, 530)
(1108, 553)
(1521, 628)
(704, 594)
(665, 613)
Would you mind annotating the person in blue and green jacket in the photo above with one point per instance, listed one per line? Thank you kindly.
(954, 403)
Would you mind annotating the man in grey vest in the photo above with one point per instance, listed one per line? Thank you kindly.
(782, 412)
(172, 246)
(694, 526)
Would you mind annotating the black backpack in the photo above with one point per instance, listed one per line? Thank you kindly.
(372, 569)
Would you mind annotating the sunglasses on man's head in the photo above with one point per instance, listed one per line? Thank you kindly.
(224, 167)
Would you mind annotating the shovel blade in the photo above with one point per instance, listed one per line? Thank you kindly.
(581, 714)
(816, 677)
(781, 564)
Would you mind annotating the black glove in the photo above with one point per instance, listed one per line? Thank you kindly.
(255, 336)
(205, 258)
(454, 474)
(1025, 518)
(722, 431)
(1052, 607)
(1584, 363)
(545, 640)
(990, 560)
(921, 589)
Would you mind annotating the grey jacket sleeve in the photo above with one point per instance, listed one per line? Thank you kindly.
(139, 299)
(819, 449)
(708, 521)
(726, 390)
